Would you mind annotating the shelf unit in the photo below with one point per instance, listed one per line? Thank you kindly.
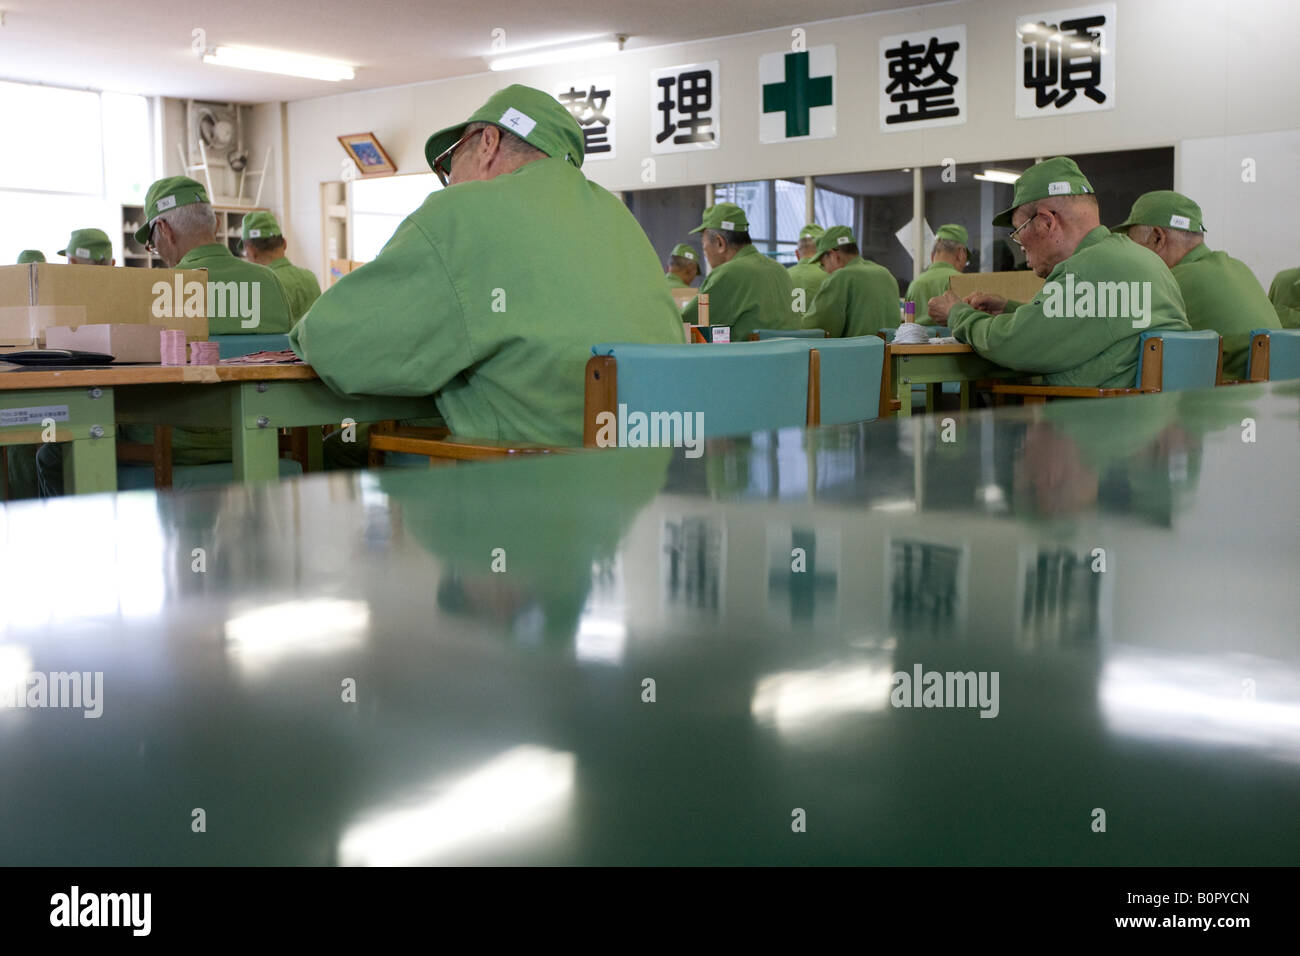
(229, 221)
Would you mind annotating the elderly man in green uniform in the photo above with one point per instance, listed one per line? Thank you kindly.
(807, 273)
(1220, 293)
(683, 267)
(747, 290)
(947, 259)
(859, 297)
(30, 255)
(182, 228)
(492, 293)
(89, 247)
(1284, 293)
(264, 244)
(1077, 331)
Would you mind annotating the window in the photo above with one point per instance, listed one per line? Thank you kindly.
(775, 210)
(380, 205)
(93, 153)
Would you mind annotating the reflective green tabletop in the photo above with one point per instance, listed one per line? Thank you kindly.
(1064, 635)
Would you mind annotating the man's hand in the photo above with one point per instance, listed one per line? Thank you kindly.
(941, 305)
(987, 302)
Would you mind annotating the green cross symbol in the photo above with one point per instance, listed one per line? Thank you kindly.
(797, 95)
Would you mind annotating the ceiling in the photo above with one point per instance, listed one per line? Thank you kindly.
(145, 46)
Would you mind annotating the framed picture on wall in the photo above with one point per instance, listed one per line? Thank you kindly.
(370, 157)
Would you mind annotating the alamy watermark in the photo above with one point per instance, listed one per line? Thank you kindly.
(1098, 300)
(651, 430)
(75, 909)
(222, 300)
(922, 688)
(82, 690)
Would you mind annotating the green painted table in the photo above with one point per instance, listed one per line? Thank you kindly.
(253, 400)
(932, 365)
(631, 656)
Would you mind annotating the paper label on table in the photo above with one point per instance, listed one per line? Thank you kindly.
(33, 415)
(721, 333)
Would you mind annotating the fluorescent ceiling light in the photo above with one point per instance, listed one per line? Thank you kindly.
(560, 54)
(998, 176)
(276, 61)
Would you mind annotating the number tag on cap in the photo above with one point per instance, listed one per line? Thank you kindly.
(166, 202)
(82, 253)
(1180, 222)
(255, 234)
(1058, 189)
(842, 240)
(517, 122)
(728, 225)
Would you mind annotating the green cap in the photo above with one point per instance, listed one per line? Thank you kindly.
(954, 233)
(811, 231)
(1166, 208)
(30, 255)
(726, 216)
(535, 117)
(166, 194)
(92, 244)
(833, 238)
(1053, 177)
(686, 252)
(259, 225)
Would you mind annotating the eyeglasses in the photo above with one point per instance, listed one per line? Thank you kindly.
(1015, 231)
(152, 229)
(442, 165)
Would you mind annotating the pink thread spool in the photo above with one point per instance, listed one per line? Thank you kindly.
(172, 347)
(204, 353)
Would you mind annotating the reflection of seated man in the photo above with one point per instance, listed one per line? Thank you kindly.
(456, 306)
(551, 520)
(1056, 220)
(1068, 462)
(181, 227)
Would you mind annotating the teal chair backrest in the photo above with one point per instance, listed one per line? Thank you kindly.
(1191, 359)
(232, 346)
(1283, 353)
(850, 378)
(742, 387)
(764, 334)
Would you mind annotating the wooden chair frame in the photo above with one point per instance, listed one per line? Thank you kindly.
(1153, 371)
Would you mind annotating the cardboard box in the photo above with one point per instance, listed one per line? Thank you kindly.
(38, 295)
(1021, 285)
(341, 267)
(126, 343)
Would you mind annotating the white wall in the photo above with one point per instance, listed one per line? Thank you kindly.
(1186, 70)
(1249, 218)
